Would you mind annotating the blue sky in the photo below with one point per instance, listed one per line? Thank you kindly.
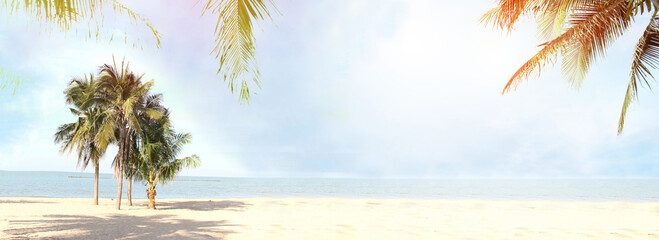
(351, 89)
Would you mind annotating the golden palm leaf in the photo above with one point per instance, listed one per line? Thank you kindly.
(580, 31)
(235, 43)
(600, 24)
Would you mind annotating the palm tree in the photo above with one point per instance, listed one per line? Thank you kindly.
(580, 31)
(123, 92)
(154, 156)
(83, 133)
(130, 168)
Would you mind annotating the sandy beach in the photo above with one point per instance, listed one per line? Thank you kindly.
(326, 218)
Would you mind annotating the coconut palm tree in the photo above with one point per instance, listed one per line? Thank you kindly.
(82, 134)
(154, 156)
(123, 92)
(580, 31)
(130, 168)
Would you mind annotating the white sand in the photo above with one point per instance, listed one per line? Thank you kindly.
(326, 218)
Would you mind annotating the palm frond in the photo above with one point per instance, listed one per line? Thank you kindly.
(646, 57)
(604, 22)
(506, 14)
(79, 14)
(159, 146)
(63, 135)
(552, 19)
(11, 80)
(191, 161)
(168, 172)
(153, 113)
(106, 131)
(235, 42)
(92, 132)
(565, 43)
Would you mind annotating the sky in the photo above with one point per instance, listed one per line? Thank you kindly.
(356, 89)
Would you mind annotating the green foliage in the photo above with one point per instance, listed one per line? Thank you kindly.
(235, 42)
(83, 134)
(154, 156)
(580, 31)
(124, 95)
(116, 107)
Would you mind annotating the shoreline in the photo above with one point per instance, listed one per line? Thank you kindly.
(326, 218)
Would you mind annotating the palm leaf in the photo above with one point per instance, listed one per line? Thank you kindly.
(235, 42)
(646, 56)
(551, 21)
(190, 162)
(604, 22)
(566, 43)
(67, 14)
(10, 80)
(506, 14)
(550, 15)
(94, 130)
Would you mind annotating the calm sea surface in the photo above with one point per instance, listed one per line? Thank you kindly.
(80, 185)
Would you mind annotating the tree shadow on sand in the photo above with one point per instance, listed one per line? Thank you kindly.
(117, 226)
(226, 205)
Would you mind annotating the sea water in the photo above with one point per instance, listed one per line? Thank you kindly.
(80, 185)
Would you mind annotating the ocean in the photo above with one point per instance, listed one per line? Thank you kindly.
(80, 185)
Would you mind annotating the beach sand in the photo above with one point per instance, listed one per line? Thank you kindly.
(326, 218)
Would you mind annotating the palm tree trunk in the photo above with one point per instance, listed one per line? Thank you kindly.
(96, 184)
(120, 182)
(129, 192)
(151, 194)
(126, 159)
(119, 164)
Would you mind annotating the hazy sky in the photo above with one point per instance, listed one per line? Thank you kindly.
(365, 88)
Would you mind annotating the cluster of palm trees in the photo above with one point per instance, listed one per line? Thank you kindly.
(116, 107)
